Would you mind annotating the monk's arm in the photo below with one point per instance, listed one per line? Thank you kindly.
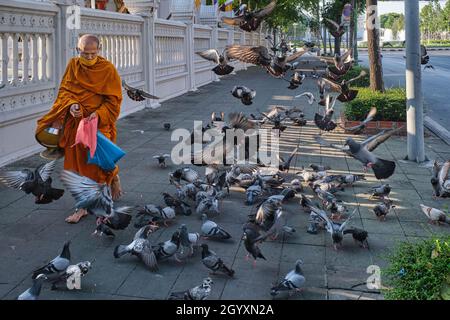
(109, 110)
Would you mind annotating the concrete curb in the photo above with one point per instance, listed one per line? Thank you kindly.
(437, 129)
(403, 49)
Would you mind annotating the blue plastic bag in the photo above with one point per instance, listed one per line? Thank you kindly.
(107, 153)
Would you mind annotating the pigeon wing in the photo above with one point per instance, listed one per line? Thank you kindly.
(46, 170)
(373, 143)
(296, 55)
(266, 10)
(211, 55)
(15, 179)
(256, 55)
(233, 21)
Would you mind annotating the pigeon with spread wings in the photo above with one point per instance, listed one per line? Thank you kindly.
(383, 169)
(37, 182)
(250, 20)
(337, 30)
(221, 60)
(96, 198)
(345, 93)
(360, 127)
(137, 94)
(325, 122)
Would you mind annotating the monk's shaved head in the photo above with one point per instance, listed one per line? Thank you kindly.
(88, 39)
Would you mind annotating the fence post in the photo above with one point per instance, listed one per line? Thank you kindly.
(148, 58)
(190, 55)
(214, 43)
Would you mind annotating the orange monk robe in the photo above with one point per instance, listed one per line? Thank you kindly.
(95, 88)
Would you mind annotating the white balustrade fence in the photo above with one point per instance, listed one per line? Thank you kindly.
(154, 54)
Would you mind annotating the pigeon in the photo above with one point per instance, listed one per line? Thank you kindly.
(381, 191)
(350, 179)
(267, 211)
(187, 242)
(325, 122)
(358, 235)
(319, 167)
(200, 292)
(213, 262)
(80, 269)
(297, 185)
(137, 94)
(35, 290)
(336, 230)
(96, 198)
(341, 64)
(276, 66)
(186, 174)
(383, 208)
(337, 30)
(284, 165)
(152, 214)
(441, 180)
(296, 80)
(345, 93)
(37, 182)
(217, 117)
(208, 202)
(178, 205)
(308, 176)
(251, 239)
(162, 159)
(252, 193)
(102, 229)
(212, 230)
(149, 254)
(308, 95)
(222, 68)
(245, 94)
(360, 128)
(383, 169)
(435, 216)
(57, 265)
(250, 20)
(294, 280)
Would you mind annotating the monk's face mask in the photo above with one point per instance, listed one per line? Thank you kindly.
(88, 62)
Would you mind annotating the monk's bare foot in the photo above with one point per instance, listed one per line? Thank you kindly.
(116, 190)
(76, 217)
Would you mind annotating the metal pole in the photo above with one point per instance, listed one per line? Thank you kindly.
(414, 103)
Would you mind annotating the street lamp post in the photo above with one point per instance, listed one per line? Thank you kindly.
(414, 103)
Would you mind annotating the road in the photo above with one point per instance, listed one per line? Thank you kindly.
(436, 83)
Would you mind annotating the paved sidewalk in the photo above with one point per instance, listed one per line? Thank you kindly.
(30, 235)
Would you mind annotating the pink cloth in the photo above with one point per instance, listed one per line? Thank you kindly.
(87, 134)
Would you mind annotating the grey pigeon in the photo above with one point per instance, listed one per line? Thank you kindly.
(325, 122)
(441, 179)
(222, 68)
(57, 265)
(200, 292)
(360, 127)
(37, 182)
(187, 242)
(81, 269)
(381, 191)
(383, 169)
(245, 94)
(35, 290)
(213, 262)
(180, 207)
(212, 230)
(186, 174)
(96, 198)
(382, 209)
(152, 214)
(251, 239)
(162, 159)
(294, 280)
(286, 164)
(359, 235)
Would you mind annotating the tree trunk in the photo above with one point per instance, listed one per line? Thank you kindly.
(355, 31)
(373, 44)
(337, 45)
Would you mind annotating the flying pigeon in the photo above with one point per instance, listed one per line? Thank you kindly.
(162, 159)
(200, 292)
(245, 94)
(37, 182)
(360, 128)
(222, 68)
(345, 93)
(325, 122)
(383, 169)
(96, 198)
(296, 80)
(337, 30)
(294, 280)
(137, 94)
(55, 266)
(250, 20)
(213, 262)
(308, 95)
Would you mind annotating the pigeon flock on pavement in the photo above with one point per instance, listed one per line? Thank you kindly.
(266, 191)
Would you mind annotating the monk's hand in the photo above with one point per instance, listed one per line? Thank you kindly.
(92, 116)
(75, 111)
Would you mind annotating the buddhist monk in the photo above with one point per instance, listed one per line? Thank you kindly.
(91, 87)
